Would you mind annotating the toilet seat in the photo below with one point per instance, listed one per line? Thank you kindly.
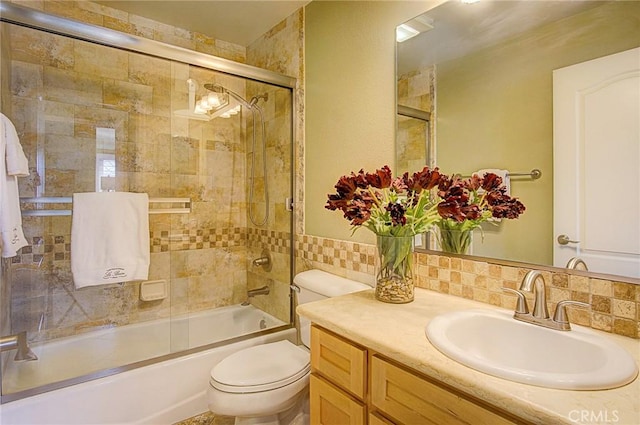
(261, 368)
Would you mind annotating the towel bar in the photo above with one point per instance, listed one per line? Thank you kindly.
(184, 209)
(535, 174)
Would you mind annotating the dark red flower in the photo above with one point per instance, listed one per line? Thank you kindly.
(398, 185)
(427, 179)
(445, 184)
(471, 212)
(336, 202)
(358, 212)
(491, 181)
(381, 179)
(450, 209)
(474, 183)
(397, 214)
(511, 208)
(346, 186)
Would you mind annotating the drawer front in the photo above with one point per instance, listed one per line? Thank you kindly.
(375, 419)
(339, 361)
(330, 406)
(411, 399)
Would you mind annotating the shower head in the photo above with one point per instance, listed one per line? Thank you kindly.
(217, 88)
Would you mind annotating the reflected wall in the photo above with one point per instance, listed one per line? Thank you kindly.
(494, 111)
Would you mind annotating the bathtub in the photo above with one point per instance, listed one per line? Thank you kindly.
(160, 393)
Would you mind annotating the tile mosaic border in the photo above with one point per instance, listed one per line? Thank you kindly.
(59, 246)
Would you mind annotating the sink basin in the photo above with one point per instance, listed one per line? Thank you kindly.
(492, 342)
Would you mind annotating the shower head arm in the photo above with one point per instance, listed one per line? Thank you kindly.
(220, 89)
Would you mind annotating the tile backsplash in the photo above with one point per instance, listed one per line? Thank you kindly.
(615, 306)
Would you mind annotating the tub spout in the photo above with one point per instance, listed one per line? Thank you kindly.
(253, 292)
(261, 261)
(259, 291)
(17, 342)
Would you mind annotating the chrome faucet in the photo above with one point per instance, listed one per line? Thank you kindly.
(540, 310)
(263, 261)
(575, 262)
(534, 282)
(258, 291)
(17, 342)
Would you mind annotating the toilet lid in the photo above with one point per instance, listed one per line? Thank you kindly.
(261, 368)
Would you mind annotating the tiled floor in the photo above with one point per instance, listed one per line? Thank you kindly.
(208, 418)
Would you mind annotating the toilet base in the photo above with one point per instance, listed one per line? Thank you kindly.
(298, 414)
(262, 420)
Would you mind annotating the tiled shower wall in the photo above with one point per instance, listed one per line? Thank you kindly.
(416, 90)
(205, 254)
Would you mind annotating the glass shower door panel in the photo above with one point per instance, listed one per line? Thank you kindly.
(213, 163)
(90, 118)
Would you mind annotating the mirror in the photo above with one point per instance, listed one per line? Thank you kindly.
(482, 73)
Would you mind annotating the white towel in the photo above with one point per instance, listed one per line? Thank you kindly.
(504, 174)
(13, 163)
(109, 238)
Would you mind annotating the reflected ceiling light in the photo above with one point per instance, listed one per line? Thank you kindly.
(405, 32)
(411, 28)
(469, 1)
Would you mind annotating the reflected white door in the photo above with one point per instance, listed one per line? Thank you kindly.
(596, 112)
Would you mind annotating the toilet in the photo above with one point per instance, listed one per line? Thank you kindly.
(268, 384)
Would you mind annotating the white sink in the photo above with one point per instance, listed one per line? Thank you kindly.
(492, 342)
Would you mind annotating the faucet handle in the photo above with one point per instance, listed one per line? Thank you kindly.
(521, 305)
(560, 315)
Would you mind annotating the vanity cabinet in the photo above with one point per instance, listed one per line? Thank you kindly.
(338, 380)
(351, 384)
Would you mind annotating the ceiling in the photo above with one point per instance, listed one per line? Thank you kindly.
(460, 28)
(239, 22)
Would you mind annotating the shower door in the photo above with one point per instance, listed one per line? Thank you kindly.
(95, 118)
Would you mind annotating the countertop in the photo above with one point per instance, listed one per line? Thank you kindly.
(397, 331)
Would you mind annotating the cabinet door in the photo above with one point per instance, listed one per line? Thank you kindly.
(411, 399)
(375, 419)
(339, 361)
(330, 406)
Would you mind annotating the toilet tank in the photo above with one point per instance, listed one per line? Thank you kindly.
(318, 285)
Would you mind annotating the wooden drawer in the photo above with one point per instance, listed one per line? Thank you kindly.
(412, 399)
(330, 406)
(375, 419)
(339, 361)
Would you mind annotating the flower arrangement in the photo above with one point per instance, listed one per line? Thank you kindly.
(401, 206)
(412, 204)
(397, 209)
(467, 203)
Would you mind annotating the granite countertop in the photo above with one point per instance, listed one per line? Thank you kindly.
(397, 331)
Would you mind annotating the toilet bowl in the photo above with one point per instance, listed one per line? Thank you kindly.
(268, 378)
(268, 384)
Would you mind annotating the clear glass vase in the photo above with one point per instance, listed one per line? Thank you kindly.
(394, 269)
(454, 240)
